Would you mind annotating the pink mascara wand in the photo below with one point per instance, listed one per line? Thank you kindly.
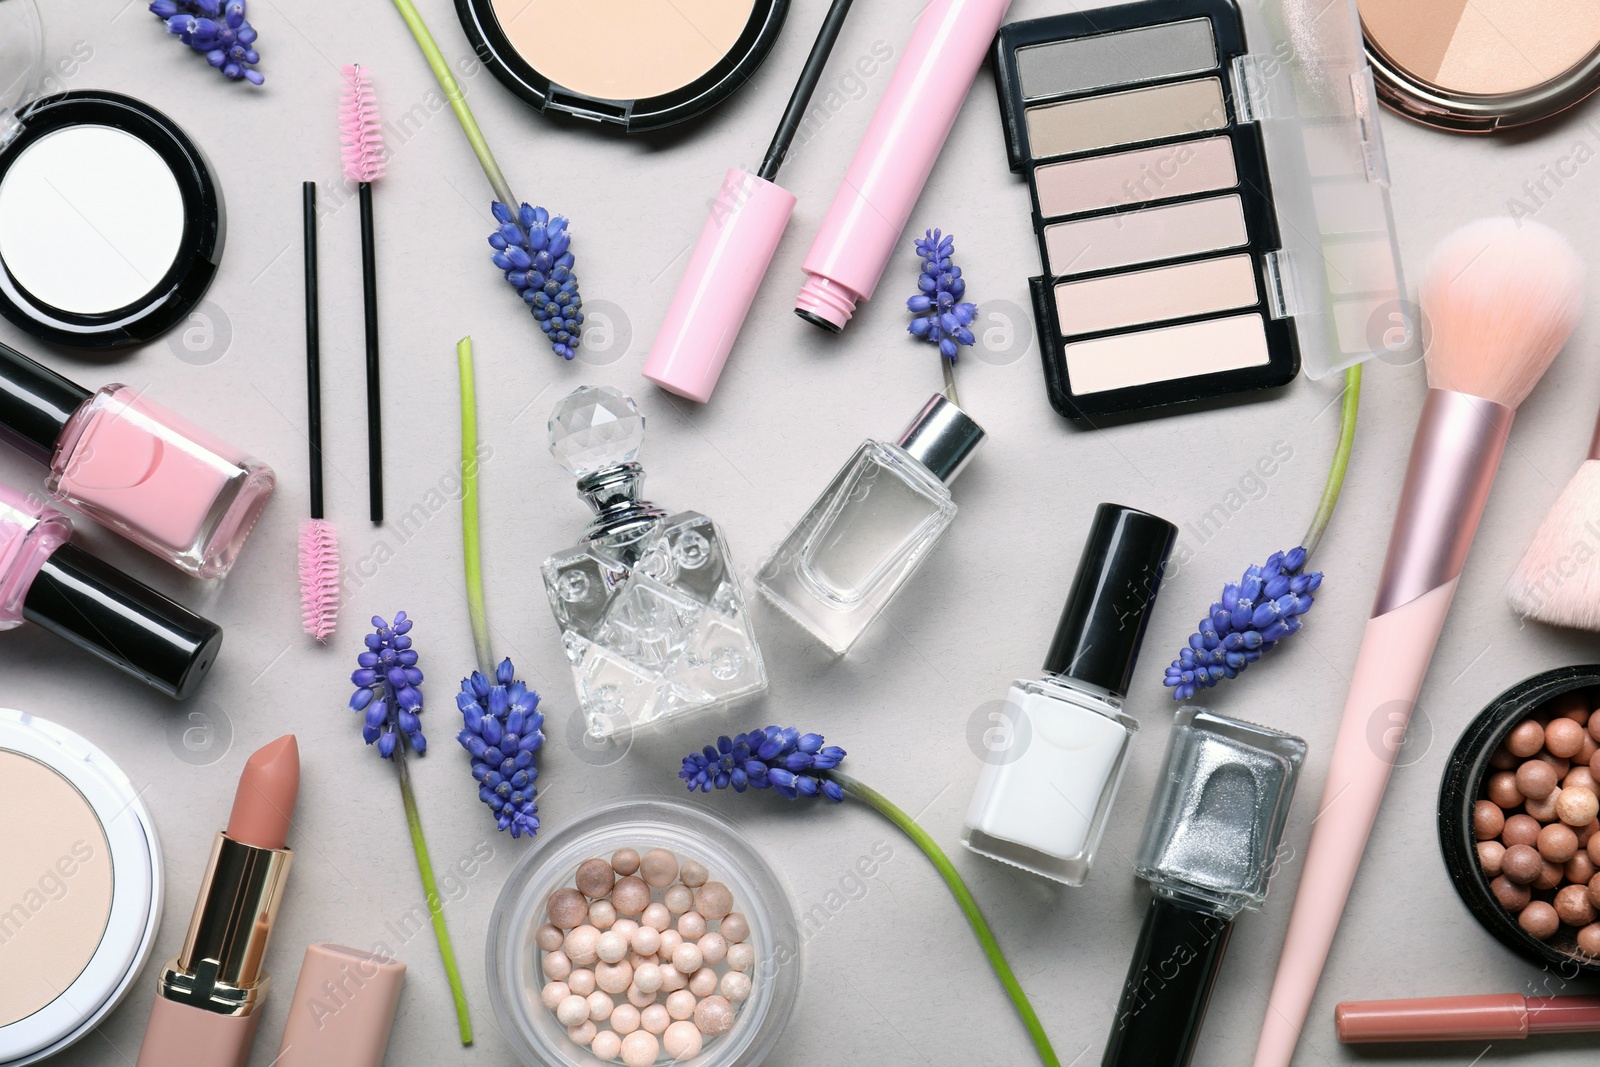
(319, 548)
(361, 134)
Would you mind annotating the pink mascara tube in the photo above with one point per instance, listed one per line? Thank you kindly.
(895, 158)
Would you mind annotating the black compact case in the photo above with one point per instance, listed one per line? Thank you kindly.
(1146, 337)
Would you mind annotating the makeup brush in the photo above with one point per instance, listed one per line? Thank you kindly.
(319, 547)
(735, 249)
(1502, 298)
(361, 134)
(1558, 580)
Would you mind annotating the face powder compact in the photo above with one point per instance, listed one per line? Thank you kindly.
(638, 64)
(1483, 65)
(80, 887)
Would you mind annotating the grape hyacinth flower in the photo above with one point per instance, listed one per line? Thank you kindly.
(941, 318)
(795, 765)
(534, 251)
(387, 681)
(1254, 614)
(217, 30)
(783, 760)
(503, 731)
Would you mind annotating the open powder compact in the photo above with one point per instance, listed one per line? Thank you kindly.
(638, 64)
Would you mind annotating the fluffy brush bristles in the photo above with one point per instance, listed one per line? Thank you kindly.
(319, 578)
(1500, 299)
(360, 130)
(1558, 580)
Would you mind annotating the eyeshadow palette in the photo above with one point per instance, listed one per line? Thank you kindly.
(1182, 257)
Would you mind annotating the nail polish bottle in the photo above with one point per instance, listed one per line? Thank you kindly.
(652, 616)
(131, 465)
(1210, 848)
(872, 527)
(52, 583)
(1052, 771)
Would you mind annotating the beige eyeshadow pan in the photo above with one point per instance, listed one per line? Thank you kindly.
(1167, 231)
(1168, 353)
(1122, 179)
(1181, 291)
(1093, 123)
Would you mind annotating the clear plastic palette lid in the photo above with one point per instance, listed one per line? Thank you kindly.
(1306, 82)
(21, 57)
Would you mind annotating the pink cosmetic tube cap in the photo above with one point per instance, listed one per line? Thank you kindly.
(343, 1009)
(736, 246)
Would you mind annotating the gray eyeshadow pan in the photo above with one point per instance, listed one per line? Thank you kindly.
(1126, 57)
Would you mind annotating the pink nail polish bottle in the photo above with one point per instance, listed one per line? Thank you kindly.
(134, 466)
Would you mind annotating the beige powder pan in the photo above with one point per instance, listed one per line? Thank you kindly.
(1475, 66)
(639, 64)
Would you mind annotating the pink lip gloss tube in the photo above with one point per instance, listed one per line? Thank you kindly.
(907, 133)
(134, 466)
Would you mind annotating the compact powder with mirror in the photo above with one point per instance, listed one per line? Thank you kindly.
(638, 64)
(80, 886)
(1483, 65)
(110, 221)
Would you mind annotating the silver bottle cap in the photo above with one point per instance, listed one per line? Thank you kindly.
(942, 438)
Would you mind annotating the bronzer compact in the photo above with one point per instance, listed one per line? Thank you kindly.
(637, 64)
(110, 220)
(1210, 199)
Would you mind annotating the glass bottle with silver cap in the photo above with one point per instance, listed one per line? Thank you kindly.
(652, 615)
(872, 527)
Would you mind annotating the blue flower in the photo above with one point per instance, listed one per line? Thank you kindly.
(778, 758)
(388, 687)
(503, 731)
(534, 251)
(942, 319)
(219, 31)
(1254, 614)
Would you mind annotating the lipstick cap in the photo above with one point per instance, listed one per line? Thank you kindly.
(35, 404)
(736, 246)
(343, 1008)
(123, 621)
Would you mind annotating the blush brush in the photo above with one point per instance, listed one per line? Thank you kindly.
(1558, 580)
(361, 135)
(319, 547)
(1502, 299)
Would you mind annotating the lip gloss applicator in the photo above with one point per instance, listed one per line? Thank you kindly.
(209, 996)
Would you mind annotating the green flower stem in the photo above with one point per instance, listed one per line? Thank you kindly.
(950, 380)
(458, 103)
(1341, 460)
(435, 908)
(471, 552)
(969, 907)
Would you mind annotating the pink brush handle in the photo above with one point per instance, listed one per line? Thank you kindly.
(1394, 657)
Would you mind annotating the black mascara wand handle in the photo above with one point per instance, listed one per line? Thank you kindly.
(308, 203)
(369, 286)
(810, 76)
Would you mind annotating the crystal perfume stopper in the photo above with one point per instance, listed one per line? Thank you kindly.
(595, 428)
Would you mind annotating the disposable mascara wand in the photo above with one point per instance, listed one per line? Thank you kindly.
(361, 134)
(319, 547)
(735, 248)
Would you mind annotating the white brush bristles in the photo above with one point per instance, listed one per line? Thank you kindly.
(1558, 580)
(319, 578)
(360, 129)
(1499, 300)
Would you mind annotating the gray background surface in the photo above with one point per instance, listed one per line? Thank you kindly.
(893, 977)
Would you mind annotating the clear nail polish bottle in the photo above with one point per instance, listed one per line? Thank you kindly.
(1210, 848)
(1046, 790)
(133, 466)
(652, 616)
(872, 527)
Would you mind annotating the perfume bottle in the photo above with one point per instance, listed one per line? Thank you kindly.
(872, 527)
(132, 465)
(652, 616)
(1057, 751)
(1209, 850)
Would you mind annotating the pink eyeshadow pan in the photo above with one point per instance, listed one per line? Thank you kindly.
(1167, 353)
(1172, 231)
(1136, 177)
(1157, 295)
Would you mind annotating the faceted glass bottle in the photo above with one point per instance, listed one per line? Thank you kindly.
(871, 528)
(652, 616)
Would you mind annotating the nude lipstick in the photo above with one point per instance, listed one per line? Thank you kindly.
(1503, 1017)
(209, 996)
